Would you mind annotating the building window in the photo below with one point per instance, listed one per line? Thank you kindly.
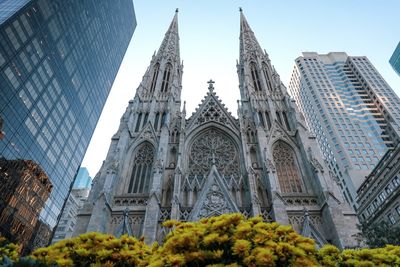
(287, 168)
(155, 76)
(139, 118)
(285, 118)
(268, 119)
(255, 77)
(166, 78)
(156, 121)
(267, 78)
(391, 218)
(142, 165)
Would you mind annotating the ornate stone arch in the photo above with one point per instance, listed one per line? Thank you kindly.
(287, 168)
(255, 76)
(154, 78)
(214, 145)
(167, 77)
(141, 173)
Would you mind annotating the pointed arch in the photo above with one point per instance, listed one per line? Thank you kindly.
(255, 77)
(157, 118)
(166, 78)
(142, 169)
(266, 75)
(155, 77)
(285, 118)
(139, 119)
(268, 119)
(287, 168)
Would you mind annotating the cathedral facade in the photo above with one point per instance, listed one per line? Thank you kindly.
(163, 165)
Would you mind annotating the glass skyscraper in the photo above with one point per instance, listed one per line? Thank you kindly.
(58, 61)
(351, 110)
(395, 59)
(82, 180)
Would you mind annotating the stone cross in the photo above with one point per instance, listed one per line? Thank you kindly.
(211, 85)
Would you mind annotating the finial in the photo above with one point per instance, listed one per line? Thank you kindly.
(210, 85)
(240, 9)
(305, 211)
(176, 10)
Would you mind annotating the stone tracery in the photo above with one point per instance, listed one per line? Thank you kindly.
(213, 147)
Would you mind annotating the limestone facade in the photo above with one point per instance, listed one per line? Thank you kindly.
(162, 164)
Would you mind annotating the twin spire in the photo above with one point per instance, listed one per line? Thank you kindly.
(170, 43)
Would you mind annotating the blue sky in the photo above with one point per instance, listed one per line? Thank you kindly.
(209, 43)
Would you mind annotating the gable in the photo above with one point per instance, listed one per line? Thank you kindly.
(212, 110)
(214, 199)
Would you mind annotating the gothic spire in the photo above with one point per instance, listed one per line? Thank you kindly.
(170, 45)
(248, 42)
(163, 78)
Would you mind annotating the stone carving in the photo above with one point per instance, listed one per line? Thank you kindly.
(247, 212)
(214, 148)
(212, 111)
(159, 166)
(297, 220)
(214, 204)
(184, 213)
(266, 214)
(130, 201)
(314, 162)
(301, 200)
(117, 219)
(334, 178)
(270, 165)
(165, 214)
(113, 166)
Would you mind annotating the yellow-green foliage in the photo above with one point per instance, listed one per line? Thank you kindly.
(230, 240)
(95, 249)
(8, 249)
(226, 240)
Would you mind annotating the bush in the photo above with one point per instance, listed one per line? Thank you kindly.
(226, 240)
(8, 250)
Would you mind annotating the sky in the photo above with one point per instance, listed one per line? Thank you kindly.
(209, 47)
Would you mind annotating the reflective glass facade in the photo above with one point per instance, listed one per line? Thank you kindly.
(346, 105)
(58, 61)
(82, 180)
(395, 59)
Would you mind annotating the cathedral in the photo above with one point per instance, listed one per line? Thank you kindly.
(163, 165)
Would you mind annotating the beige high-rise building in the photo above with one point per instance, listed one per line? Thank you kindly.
(351, 110)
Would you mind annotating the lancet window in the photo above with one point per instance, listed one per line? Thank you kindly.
(266, 75)
(139, 119)
(268, 118)
(146, 117)
(255, 77)
(166, 78)
(287, 168)
(156, 121)
(155, 76)
(285, 118)
(142, 169)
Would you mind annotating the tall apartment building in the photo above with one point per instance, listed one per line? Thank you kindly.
(58, 61)
(379, 194)
(24, 188)
(395, 59)
(351, 110)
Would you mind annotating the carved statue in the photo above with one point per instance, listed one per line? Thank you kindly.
(270, 165)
